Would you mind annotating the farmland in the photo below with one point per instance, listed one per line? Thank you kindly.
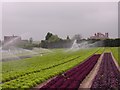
(74, 77)
(59, 45)
(30, 72)
(17, 71)
(108, 76)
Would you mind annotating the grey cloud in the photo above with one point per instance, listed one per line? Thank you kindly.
(36, 19)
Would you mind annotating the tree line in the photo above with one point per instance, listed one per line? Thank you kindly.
(53, 41)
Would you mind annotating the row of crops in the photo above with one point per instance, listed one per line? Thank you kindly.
(108, 76)
(73, 78)
(30, 72)
(15, 69)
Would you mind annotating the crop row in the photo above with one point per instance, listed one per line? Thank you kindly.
(32, 79)
(37, 64)
(73, 78)
(108, 76)
(19, 74)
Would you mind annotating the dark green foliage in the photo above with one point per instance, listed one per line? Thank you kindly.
(106, 42)
(57, 44)
(112, 42)
(54, 38)
(68, 38)
(48, 35)
(53, 41)
(43, 44)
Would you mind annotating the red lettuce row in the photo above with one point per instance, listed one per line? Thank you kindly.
(108, 76)
(72, 78)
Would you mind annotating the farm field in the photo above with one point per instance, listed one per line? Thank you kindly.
(19, 53)
(35, 64)
(30, 72)
(73, 78)
(108, 76)
(59, 45)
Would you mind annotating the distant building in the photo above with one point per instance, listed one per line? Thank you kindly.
(12, 39)
(100, 36)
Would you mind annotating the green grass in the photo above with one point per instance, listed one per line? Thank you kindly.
(116, 53)
(107, 49)
(30, 72)
(102, 49)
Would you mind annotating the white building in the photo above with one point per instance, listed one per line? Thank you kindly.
(100, 36)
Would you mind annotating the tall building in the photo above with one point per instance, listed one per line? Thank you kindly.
(100, 36)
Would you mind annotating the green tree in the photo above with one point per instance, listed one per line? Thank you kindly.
(68, 38)
(54, 38)
(48, 36)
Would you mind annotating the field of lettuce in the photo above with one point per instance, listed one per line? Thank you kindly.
(73, 77)
(30, 72)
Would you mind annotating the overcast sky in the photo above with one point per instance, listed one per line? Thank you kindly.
(35, 19)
